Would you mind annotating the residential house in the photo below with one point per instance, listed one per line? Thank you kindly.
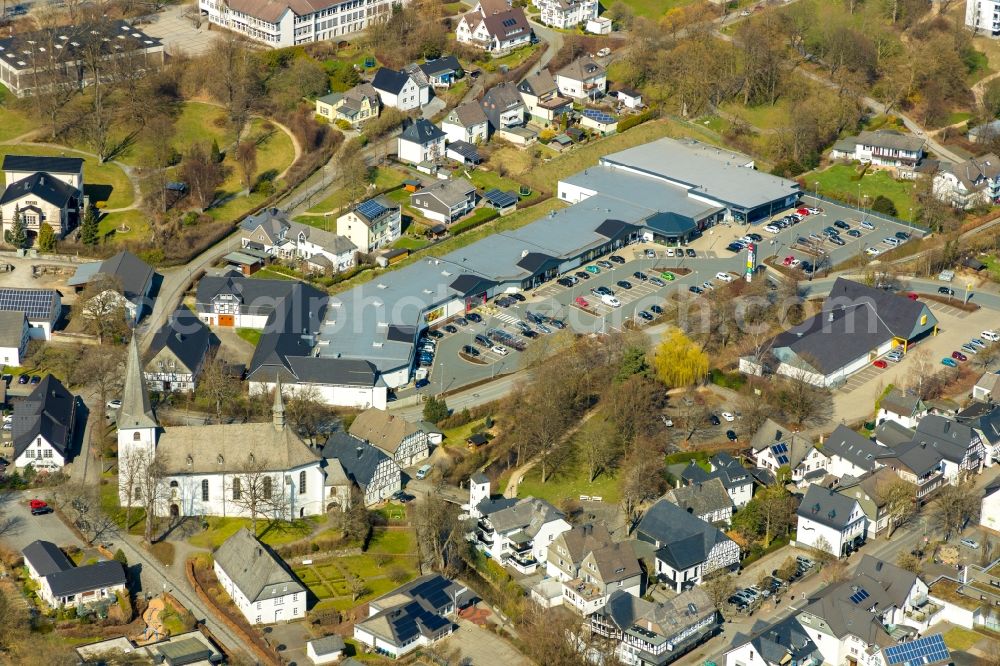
(420, 141)
(613, 568)
(13, 337)
(57, 57)
(482, 504)
(737, 479)
(463, 152)
(466, 122)
(891, 434)
(401, 90)
(292, 22)
(974, 182)
(503, 106)
(495, 27)
(264, 231)
(519, 535)
(268, 305)
(62, 585)
(629, 98)
(567, 550)
(969, 599)
(919, 464)
(882, 148)
(647, 633)
(774, 447)
(326, 650)
(566, 14)
(43, 427)
(989, 515)
(372, 224)
(354, 106)
(42, 191)
(687, 548)
(987, 389)
(707, 500)
(188, 647)
(780, 644)
(981, 17)
(42, 307)
(370, 469)
(272, 233)
(583, 78)
(406, 442)
(542, 99)
(830, 522)
(177, 353)
(850, 454)
(445, 201)
(442, 72)
(132, 279)
(869, 491)
(902, 407)
(984, 133)
(257, 580)
(960, 446)
(857, 324)
(849, 621)
(412, 616)
(984, 419)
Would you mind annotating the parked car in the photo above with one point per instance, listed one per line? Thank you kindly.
(564, 282)
(531, 335)
(854, 233)
(867, 225)
(756, 238)
(450, 329)
(976, 342)
(645, 315)
(728, 416)
(903, 236)
(840, 224)
(41, 511)
(668, 276)
(35, 379)
(970, 543)
(582, 302)
(691, 253)
(669, 252)
(731, 435)
(558, 323)
(837, 240)
(895, 356)
(640, 276)
(518, 297)
(603, 53)
(959, 356)
(947, 291)
(656, 309)
(583, 275)
(624, 284)
(607, 299)
(618, 260)
(22, 379)
(605, 264)
(482, 341)
(470, 350)
(657, 281)
(713, 419)
(500, 350)
(111, 404)
(462, 321)
(880, 364)
(694, 289)
(650, 254)
(725, 277)
(772, 229)
(475, 318)
(950, 362)
(992, 336)
(734, 247)
(969, 349)
(804, 212)
(602, 291)
(787, 261)
(873, 251)
(593, 270)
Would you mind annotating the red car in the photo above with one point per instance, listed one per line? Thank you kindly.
(913, 296)
(582, 302)
(880, 364)
(804, 212)
(788, 260)
(959, 356)
(37, 504)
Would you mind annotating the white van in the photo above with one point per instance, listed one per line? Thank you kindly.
(424, 471)
(608, 299)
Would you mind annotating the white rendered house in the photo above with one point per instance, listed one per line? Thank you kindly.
(830, 521)
(258, 581)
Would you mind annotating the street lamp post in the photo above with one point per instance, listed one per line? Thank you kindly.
(816, 183)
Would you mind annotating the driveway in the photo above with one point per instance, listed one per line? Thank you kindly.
(177, 27)
(480, 647)
(18, 527)
(290, 639)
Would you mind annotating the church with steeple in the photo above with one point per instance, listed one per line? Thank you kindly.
(210, 469)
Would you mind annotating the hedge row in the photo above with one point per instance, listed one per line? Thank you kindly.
(632, 121)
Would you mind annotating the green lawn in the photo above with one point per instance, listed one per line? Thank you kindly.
(992, 265)
(200, 123)
(764, 116)
(571, 480)
(385, 178)
(487, 180)
(251, 335)
(106, 184)
(125, 225)
(457, 436)
(12, 123)
(392, 541)
(655, 8)
(960, 639)
(110, 506)
(511, 60)
(220, 529)
(410, 243)
(958, 117)
(328, 579)
(839, 182)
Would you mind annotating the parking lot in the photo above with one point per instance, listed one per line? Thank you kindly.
(19, 527)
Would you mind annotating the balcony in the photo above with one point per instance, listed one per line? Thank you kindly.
(523, 565)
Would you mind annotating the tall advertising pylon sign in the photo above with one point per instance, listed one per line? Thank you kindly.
(751, 260)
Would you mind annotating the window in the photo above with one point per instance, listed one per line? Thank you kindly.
(204, 490)
(257, 621)
(258, 608)
(47, 453)
(267, 487)
(236, 488)
(302, 482)
(295, 597)
(136, 436)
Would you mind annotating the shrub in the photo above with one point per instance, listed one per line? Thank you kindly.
(638, 119)
(883, 204)
(342, 124)
(788, 169)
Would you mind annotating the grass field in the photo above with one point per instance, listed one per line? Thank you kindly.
(571, 480)
(839, 182)
(961, 639)
(12, 123)
(105, 183)
(410, 243)
(220, 529)
(136, 223)
(655, 8)
(487, 180)
(385, 178)
(251, 335)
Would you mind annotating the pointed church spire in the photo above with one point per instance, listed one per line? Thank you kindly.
(278, 411)
(136, 411)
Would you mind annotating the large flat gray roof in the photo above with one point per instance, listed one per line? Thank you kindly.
(627, 188)
(688, 163)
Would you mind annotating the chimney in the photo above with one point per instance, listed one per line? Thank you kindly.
(777, 436)
(360, 451)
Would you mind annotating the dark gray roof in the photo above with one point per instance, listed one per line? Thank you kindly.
(185, 335)
(891, 139)
(983, 418)
(701, 497)
(12, 328)
(852, 447)
(291, 306)
(466, 150)
(46, 558)
(918, 457)
(826, 507)
(48, 411)
(42, 185)
(134, 274)
(390, 80)
(776, 643)
(254, 569)
(951, 439)
(499, 99)
(444, 65)
(479, 477)
(671, 223)
(902, 403)
(358, 458)
(83, 579)
(42, 163)
(855, 320)
(491, 505)
(892, 433)
(288, 356)
(421, 131)
(772, 433)
(271, 219)
(37, 304)
(683, 539)
(895, 581)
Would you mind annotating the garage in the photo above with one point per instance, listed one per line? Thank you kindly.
(226, 320)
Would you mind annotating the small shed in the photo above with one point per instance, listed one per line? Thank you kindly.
(477, 440)
(600, 121)
(437, 231)
(502, 202)
(463, 152)
(973, 263)
(326, 650)
(599, 26)
(411, 185)
(245, 262)
(391, 256)
(631, 99)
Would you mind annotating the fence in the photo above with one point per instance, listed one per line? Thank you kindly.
(867, 212)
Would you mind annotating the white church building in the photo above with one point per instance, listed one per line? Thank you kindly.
(208, 467)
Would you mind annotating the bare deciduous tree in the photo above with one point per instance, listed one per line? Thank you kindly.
(899, 498)
(202, 175)
(217, 385)
(257, 491)
(103, 308)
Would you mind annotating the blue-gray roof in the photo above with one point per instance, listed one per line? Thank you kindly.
(683, 539)
(827, 507)
(45, 558)
(852, 447)
(421, 132)
(359, 459)
(83, 579)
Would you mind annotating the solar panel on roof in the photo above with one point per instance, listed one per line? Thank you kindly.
(782, 460)
(926, 650)
(860, 595)
(371, 208)
(35, 303)
(500, 199)
(599, 116)
(779, 448)
(509, 22)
